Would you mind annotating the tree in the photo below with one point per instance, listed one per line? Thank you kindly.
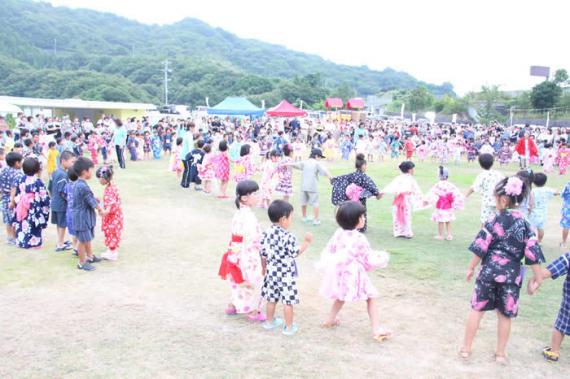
(545, 95)
(419, 99)
(560, 76)
(488, 99)
(344, 91)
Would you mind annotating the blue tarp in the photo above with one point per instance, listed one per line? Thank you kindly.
(235, 106)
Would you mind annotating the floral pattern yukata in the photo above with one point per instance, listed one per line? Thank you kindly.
(502, 244)
(447, 198)
(244, 169)
(485, 184)
(32, 212)
(285, 174)
(345, 261)
(222, 163)
(244, 251)
(565, 195)
(112, 224)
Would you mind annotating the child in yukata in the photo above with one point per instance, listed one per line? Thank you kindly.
(279, 248)
(345, 262)
(356, 186)
(241, 264)
(83, 210)
(285, 173)
(500, 247)
(244, 167)
(542, 196)
(156, 145)
(559, 267)
(32, 206)
(9, 178)
(222, 168)
(565, 219)
(447, 199)
(206, 169)
(485, 185)
(407, 195)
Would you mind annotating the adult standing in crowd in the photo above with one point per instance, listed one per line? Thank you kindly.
(120, 140)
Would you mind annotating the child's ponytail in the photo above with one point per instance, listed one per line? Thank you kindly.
(245, 188)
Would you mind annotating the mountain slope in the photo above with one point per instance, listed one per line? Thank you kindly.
(61, 52)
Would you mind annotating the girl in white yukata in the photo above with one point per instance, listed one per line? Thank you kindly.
(345, 261)
(407, 195)
(447, 198)
(241, 264)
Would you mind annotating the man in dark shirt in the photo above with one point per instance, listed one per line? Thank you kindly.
(59, 200)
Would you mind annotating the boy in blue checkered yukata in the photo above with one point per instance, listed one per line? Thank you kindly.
(554, 270)
(279, 248)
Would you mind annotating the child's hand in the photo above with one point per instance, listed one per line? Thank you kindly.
(532, 286)
(469, 274)
(309, 237)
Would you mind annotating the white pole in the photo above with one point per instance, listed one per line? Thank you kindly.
(511, 111)
(547, 118)
(402, 111)
(166, 82)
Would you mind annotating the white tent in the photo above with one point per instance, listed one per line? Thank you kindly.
(8, 108)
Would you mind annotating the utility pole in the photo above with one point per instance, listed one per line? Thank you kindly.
(166, 71)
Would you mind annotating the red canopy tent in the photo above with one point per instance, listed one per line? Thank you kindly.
(356, 103)
(286, 109)
(333, 102)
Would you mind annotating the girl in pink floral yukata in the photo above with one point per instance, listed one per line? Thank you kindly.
(241, 264)
(345, 261)
(500, 246)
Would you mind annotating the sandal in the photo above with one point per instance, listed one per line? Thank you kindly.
(382, 334)
(449, 238)
(258, 317)
(464, 354)
(331, 325)
(230, 310)
(549, 355)
(501, 359)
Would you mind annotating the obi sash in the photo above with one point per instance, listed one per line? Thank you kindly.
(445, 201)
(400, 204)
(229, 268)
(23, 206)
(353, 192)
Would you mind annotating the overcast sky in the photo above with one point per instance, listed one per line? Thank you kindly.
(467, 42)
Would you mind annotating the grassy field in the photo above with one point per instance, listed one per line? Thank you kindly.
(157, 312)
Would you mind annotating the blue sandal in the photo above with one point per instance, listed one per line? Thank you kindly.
(277, 322)
(290, 332)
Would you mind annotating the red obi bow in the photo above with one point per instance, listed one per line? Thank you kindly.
(227, 267)
(400, 203)
(445, 201)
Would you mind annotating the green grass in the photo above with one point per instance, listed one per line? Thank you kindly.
(420, 263)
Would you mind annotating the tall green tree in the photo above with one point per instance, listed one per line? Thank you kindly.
(545, 95)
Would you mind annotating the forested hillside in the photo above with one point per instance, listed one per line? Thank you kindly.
(58, 52)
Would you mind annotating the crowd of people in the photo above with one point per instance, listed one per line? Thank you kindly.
(261, 265)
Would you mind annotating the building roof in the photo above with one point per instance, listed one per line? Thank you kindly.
(72, 103)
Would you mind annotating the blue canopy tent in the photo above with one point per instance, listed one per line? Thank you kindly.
(236, 106)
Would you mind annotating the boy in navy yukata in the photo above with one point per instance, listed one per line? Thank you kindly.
(58, 196)
(554, 270)
(9, 177)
